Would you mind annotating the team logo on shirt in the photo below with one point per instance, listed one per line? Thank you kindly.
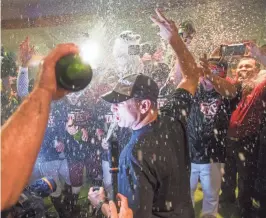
(81, 118)
(210, 109)
(109, 118)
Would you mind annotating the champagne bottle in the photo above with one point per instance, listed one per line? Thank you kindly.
(72, 74)
(78, 136)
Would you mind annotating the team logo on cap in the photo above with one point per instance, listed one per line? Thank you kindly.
(125, 82)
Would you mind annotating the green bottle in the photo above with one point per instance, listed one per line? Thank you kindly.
(72, 73)
(78, 136)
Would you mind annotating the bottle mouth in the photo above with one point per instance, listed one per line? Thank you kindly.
(76, 85)
(72, 73)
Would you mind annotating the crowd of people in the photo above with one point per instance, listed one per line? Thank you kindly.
(176, 125)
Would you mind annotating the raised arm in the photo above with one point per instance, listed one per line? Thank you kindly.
(25, 54)
(221, 85)
(175, 75)
(256, 52)
(188, 66)
(23, 132)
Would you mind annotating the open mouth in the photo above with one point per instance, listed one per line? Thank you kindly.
(117, 118)
(242, 74)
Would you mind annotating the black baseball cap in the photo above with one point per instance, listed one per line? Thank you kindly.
(133, 86)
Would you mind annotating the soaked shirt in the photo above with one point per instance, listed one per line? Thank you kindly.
(165, 93)
(249, 115)
(90, 117)
(55, 130)
(207, 126)
(153, 166)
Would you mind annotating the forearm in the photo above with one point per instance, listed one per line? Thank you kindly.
(187, 65)
(222, 86)
(176, 73)
(21, 143)
(186, 62)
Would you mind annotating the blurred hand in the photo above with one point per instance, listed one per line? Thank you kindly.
(70, 121)
(60, 147)
(168, 29)
(70, 127)
(46, 77)
(25, 52)
(99, 133)
(216, 52)
(158, 55)
(85, 135)
(125, 211)
(95, 197)
(204, 65)
(105, 144)
(253, 49)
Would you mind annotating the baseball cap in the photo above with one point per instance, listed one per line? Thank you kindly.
(133, 86)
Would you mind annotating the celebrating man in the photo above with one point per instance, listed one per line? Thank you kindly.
(153, 166)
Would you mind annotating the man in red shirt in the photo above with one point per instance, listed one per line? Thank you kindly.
(243, 136)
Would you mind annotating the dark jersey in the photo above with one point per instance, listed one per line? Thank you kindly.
(153, 166)
(55, 130)
(207, 126)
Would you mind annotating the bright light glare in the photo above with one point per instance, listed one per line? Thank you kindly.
(90, 53)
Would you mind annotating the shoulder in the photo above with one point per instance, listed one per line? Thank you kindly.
(261, 83)
(182, 93)
(262, 73)
(180, 99)
(166, 130)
